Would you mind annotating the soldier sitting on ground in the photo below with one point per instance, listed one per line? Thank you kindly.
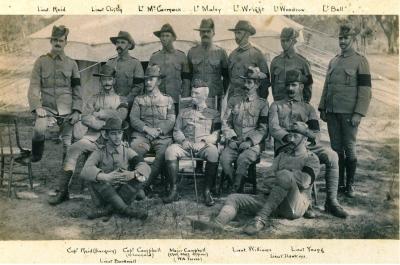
(101, 106)
(295, 171)
(115, 173)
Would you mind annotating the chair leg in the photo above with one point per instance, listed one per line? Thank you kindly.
(2, 170)
(30, 174)
(253, 177)
(315, 194)
(10, 179)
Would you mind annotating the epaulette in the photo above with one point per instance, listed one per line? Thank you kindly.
(301, 56)
(361, 55)
(257, 49)
(180, 52)
(156, 52)
(133, 57)
(114, 57)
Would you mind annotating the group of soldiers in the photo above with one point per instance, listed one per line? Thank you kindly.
(143, 107)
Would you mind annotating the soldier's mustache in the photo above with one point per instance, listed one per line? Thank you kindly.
(57, 46)
(119, 49)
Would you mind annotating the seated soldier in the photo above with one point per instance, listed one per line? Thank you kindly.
(283, 114)
(98, 108)
(196, 133)
(294, 170)
(115, 173)
(244, 126)
(152, 118)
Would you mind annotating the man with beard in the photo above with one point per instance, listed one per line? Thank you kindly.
(283, 115)
(244, 125)
(345, 100)
(152, 118)
(129, 70)
(196, 133)
(294, 171)
(101, 106)
(244, 56)
(209, 62)
(173, 64)
(115, 173)
(54, 93)
(289, 60)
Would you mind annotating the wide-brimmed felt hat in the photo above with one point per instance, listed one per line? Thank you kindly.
(244, 25)
(165, 28)
(347, 30)
(294, 76)
(198, 83)
(115, 123)
(289, 33)
(59, 31)
(106, 71)
(126, 36)
(254, 73)
(206, 24)
(153, 71)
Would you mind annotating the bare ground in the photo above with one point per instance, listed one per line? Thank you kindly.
(374, 212)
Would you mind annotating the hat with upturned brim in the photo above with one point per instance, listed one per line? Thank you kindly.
(59, 31)
(289, 33)
(106, 71)
(294, 76)
(165, 28)
(244, 25)
(206, 24)
(115, 123)
(126, 36)
(347, 30)
(153, 71)
(254, 73)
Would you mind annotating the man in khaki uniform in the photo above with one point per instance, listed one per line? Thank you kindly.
(284, 114)
(115, 173)
(54, 93)
(345, 100)
(244, 56)
(99, 107)
(174, 65)
(289, 60)
(152, 118)
(196, 133)
(294, 170)
(129, 70)
(245, 126)
(208, 62)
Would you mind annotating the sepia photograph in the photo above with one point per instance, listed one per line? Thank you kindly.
(199, 127)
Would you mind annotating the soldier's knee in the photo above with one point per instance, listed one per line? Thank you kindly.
(171, 152)
(212, 153)
(284, 178)
(232, 200)
(247, 157)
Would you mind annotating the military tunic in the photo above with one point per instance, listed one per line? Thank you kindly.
(239, 61)
(174, 66)
(197, 125)
(347, 90)
(245, 119)
(209, 65)
(282, 64)
(128, 76)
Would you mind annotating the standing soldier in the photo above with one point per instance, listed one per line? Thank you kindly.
(54, 93)
(209, 62)
(244, 56)
(284, 114)
(129, 70)
(196, 133)
(345, 100)
(174, 65)
(115, 173)
(244, 127)
(152, 118)
(99, 107)
(289, 60)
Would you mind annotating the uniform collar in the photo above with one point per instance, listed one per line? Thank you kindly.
(297, 98)
(348, 53)
(209, 47)
(252, 97)
(123, 56)
(245, 47)
(172, 50)
(154, 93)
(57, 55)
(200, 107)
(289, 54)
(110, 149)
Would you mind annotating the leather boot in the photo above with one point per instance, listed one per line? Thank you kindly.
(100, 212)
(210, 175)
(62, 191)
(342, 186)
(310, 213)
(37, 150)
(332, 205)
(351, 166)
(119, 206)
(172, 168)
(254, 227)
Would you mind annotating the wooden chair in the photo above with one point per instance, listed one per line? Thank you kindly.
(11, 153)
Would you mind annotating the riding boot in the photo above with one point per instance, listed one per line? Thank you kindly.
(37, 150)
(351, 166)
(341, 188)
(210, 175)
(331, 204)
(172, 169)
(62, 191)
